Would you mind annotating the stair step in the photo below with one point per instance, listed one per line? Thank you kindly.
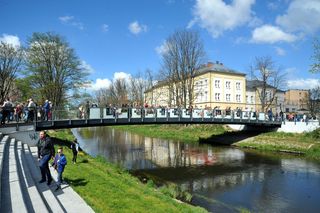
(36, 201)
(52, 203)
(16, 194)
(67, 196)
(3, 155)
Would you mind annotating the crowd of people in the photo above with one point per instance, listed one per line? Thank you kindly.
(24, 111)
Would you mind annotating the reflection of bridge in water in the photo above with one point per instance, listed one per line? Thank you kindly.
(136, 116)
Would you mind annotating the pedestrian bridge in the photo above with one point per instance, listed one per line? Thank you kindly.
(139, 116)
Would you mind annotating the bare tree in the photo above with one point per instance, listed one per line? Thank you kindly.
(54, 66)
(182, 59)
(118, 92)
(269, 79)
(315, 67)
(11, 60)
(314, 101)
(137, 87)
(102, 96)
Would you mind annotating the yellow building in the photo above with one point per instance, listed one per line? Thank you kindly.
(214, 86)
(296, 99)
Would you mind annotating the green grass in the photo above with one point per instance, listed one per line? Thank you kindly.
(307, 144)
(108, 188)
(189, 133)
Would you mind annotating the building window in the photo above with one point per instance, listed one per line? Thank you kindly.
(247, 99)
(228, 85)
(205, 96)
(217, 96)
(228, 97)
(217, 83)
(238, 98)
(252, 100)
(238, 86)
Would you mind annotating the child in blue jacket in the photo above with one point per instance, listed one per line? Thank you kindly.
(60, 162)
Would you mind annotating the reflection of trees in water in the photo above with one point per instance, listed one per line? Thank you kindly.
(138, 152)
(259, 180)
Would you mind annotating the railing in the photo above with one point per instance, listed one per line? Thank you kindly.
(132, 113)
(140, 112)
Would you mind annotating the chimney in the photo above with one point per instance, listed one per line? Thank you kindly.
(209, 64)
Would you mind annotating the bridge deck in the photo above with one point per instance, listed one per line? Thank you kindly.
(62, 119)
(75, 123)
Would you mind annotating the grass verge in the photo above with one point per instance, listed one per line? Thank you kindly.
(307, 144)
(108, 188)
(189, 133)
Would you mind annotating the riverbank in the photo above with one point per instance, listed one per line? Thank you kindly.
(108, 188)
(306, 144)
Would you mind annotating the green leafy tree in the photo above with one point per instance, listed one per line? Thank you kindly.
(23, 85)
(55, 68)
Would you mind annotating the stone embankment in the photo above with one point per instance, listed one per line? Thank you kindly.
(20, 189)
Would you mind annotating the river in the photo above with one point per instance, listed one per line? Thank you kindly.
(221, 179)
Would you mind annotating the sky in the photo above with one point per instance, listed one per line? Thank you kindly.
(120, 38)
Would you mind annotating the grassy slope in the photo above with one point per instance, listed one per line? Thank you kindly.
(190, 133)
(107, 188)
(307, 143)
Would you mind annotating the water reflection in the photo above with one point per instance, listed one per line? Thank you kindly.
(220, 179)
(135, 152)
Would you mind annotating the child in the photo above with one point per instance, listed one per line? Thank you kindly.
(60, 162)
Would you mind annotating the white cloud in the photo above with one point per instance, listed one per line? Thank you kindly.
(280, 51)
(271, 34)
(308, 83)
(70, 20)
(121, 75)
(10, 39)
(162, 49)
(216, 16)
(87, 66)
(66, 19)
(105, 83)
(105, 28)
(301, 16)
(136, 28)
(101, 84)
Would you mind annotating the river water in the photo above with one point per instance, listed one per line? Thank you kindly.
(221, 179)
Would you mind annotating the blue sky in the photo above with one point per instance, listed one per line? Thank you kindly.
(115, 38)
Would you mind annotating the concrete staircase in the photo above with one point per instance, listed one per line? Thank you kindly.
(20, 190)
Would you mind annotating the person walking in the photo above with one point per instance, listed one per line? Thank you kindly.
(87, 107)
(6, 109)
(75, 150)
(46, 109)
(31, 110)
(45, 153)
(60, 163)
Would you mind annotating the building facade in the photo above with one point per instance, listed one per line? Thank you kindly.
(215, 86)
(275, 98)
(296, 100)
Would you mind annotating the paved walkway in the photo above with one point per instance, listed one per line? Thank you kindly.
(20, 190)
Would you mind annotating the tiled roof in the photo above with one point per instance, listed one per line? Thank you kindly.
(218, 67)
